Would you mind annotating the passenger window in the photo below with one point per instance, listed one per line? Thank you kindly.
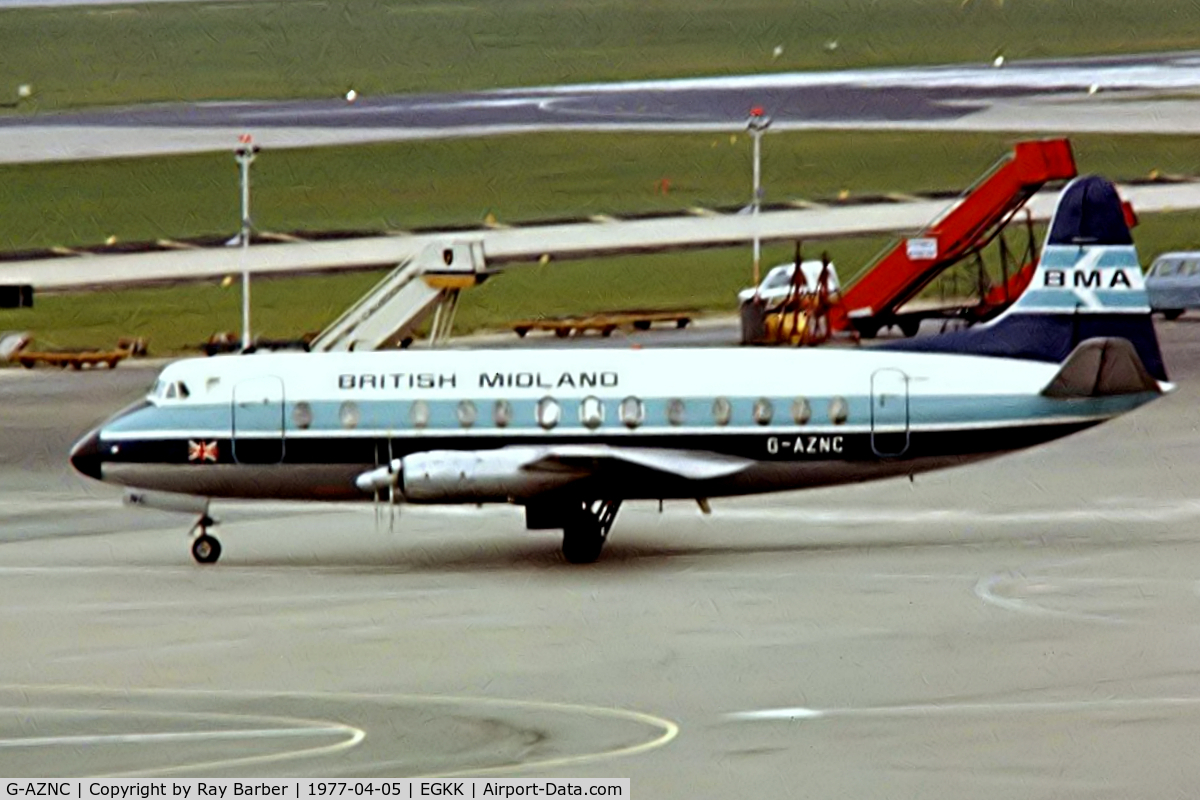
(633, 412)
(418, 414)
(676, 412)
(466, 413)
(801, 411)
(302, 415)
(839, 410)
(722, 411)
(502, 413)
(763, 411)
(348, 414)
(548, 412)
(184, 394)
(591, 412)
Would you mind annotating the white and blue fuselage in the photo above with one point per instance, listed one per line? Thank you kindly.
(307, 425)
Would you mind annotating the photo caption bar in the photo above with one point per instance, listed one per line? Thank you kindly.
(293, 789)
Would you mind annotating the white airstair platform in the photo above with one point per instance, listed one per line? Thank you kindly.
(388, 315)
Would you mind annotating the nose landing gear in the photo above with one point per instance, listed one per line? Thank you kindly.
(206, 549)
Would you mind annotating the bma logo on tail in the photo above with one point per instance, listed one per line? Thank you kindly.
(1089, 263)
(1079, 278)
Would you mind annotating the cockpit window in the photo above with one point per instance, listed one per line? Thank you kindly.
(176, 390)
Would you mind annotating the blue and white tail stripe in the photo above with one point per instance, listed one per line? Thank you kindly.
(1085, 280)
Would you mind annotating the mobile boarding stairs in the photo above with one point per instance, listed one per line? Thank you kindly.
(389, 315)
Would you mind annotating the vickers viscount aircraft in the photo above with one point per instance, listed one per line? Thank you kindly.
(571, 433)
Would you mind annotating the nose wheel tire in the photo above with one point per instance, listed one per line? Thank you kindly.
(206, 549)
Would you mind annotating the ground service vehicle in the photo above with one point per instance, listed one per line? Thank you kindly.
(1173, 283)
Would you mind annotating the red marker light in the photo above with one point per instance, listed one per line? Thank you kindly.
(757, 111)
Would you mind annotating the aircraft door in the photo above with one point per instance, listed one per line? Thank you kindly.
(889, 413)
(258, 421)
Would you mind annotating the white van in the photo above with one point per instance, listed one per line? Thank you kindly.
(1173, 283)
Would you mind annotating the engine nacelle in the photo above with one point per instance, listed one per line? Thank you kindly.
(478, 476)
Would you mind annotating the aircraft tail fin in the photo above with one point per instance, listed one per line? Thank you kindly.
(1088, 285)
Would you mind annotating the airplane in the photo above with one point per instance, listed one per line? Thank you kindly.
(569, 434)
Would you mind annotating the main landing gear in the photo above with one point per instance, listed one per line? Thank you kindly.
(586, 530)
(206, 549)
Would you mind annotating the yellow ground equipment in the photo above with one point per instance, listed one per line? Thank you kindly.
(803, 316)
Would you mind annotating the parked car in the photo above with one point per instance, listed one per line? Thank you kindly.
(1173, 283)
(761, 308)
(775, 286)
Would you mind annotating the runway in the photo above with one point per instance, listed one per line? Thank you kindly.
(1148, 93)
(1023, 626)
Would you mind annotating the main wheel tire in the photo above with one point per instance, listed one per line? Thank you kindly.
(910, 327)
(582, 543)
(1173, 313)
(206, 549)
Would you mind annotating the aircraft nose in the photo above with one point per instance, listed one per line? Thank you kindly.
(85, 455)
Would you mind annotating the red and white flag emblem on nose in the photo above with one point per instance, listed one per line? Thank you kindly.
(202, 451)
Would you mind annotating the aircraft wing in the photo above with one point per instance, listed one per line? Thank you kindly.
(692, 465)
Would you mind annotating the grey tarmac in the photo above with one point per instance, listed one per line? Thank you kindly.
(1021, 627)
(1145, 93)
